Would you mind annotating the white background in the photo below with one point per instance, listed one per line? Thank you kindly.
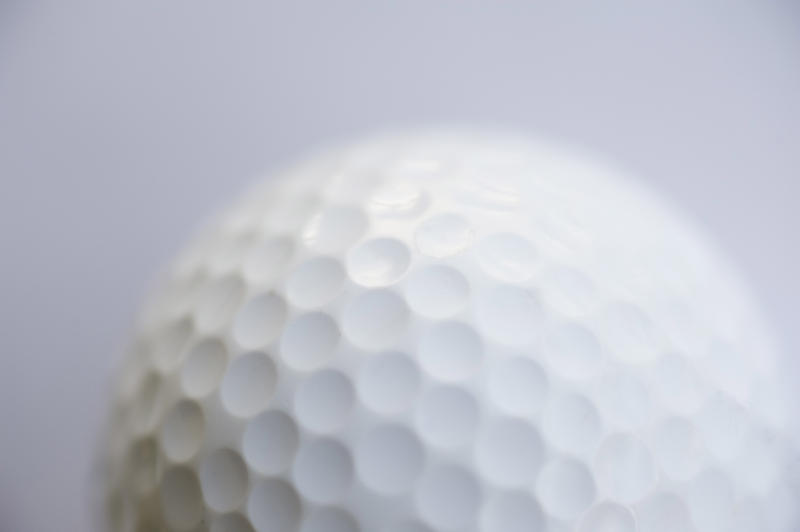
(122, 124)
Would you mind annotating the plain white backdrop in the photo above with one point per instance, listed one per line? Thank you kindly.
(124, 124)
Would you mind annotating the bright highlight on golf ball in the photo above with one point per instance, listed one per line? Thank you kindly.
(451, 332)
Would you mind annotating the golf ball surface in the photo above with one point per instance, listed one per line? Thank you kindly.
(450, 332)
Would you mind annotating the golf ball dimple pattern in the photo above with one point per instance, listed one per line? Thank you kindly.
(450, 332)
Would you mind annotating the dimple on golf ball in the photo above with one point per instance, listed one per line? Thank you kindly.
(450, 332)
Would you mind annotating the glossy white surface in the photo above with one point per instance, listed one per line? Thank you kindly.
(437, 379)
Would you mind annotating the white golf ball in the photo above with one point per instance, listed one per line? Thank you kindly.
(451, 332)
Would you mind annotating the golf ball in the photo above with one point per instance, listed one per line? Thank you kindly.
(450, 332)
